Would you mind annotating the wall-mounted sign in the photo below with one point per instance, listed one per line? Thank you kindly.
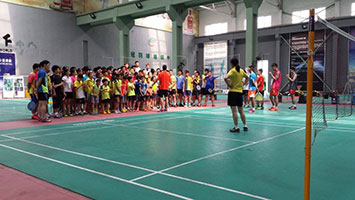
(13, 87)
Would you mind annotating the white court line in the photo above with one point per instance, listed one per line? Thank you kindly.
(340, 129)
(81, 130)
(216, 154)
(140, 168)
(70, 126)
(98, 173)
(189, 134)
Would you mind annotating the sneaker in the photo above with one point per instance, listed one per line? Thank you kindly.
(272, 108)
(57, 116)
(105, 112)
(259, 108)
(292, 108)
(251, 110)
(46, 120)
(205, 105)
(213, 105)
(35, 117)
(234, 130)
(65, 115)
(71, 115)
(185, 106)
(245, 128)
(108, 112)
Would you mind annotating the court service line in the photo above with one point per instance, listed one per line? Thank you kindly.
(339, 129)
(190, 134)
(70, 126)
(81, 130)
(97, 172)
(140, 168)
(218, 153)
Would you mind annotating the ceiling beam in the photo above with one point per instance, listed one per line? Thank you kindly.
(150, 7)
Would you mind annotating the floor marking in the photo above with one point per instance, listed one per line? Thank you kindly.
(140, 168)
(336, 129)
(219, 153)
(190, 134)
(70, 126)
(81, 130)
(97, 172)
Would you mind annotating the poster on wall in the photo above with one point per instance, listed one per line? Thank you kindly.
(163, 22)
(299, 42)
(13, 87)
(7, 66)
(215, 59)
(352, 59)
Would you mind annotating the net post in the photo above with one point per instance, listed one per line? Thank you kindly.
(308, 143)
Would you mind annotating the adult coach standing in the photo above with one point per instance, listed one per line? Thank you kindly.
(235, 94)
(164, 82)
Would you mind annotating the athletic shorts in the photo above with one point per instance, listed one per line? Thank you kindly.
(88, 97)
(58, 101)
(173, 92)
(209, 92)
(70, 95)
(204, 91)
(180, 91)
(292, 91)
(252, 93)
(196, 92)
(140, 98)
(80, 101)
(262, 92)
(43, 96)
(123, 99)
(187, 93)
(95, 99)
(274, 92)
(34, 98)
(245, 92)
(163, 93)
(117, 96)
(106, 101)
(132, 98)
(235, 99)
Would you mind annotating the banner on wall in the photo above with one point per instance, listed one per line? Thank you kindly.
(7, 65)
(163, 22)
(352, 59)
(299, 42)
(13, 87)
(215, 59)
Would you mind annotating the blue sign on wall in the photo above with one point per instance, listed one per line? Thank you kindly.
(7, 65)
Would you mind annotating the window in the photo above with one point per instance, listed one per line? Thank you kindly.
(321, 12)
(302, 15)
(263, 22)
(353, 9)
(299, 16)
(214, 29)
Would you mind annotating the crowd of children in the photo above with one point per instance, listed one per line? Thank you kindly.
(80, 91)
(257, 84)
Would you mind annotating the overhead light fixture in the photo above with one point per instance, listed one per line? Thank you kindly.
(304, 26)
(92, 15)
(139, 5)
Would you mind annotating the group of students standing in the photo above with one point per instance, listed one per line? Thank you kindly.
(80, 91)
(245, 85)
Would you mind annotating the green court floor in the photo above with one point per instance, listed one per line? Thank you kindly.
(187, 155)
(14, 110)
